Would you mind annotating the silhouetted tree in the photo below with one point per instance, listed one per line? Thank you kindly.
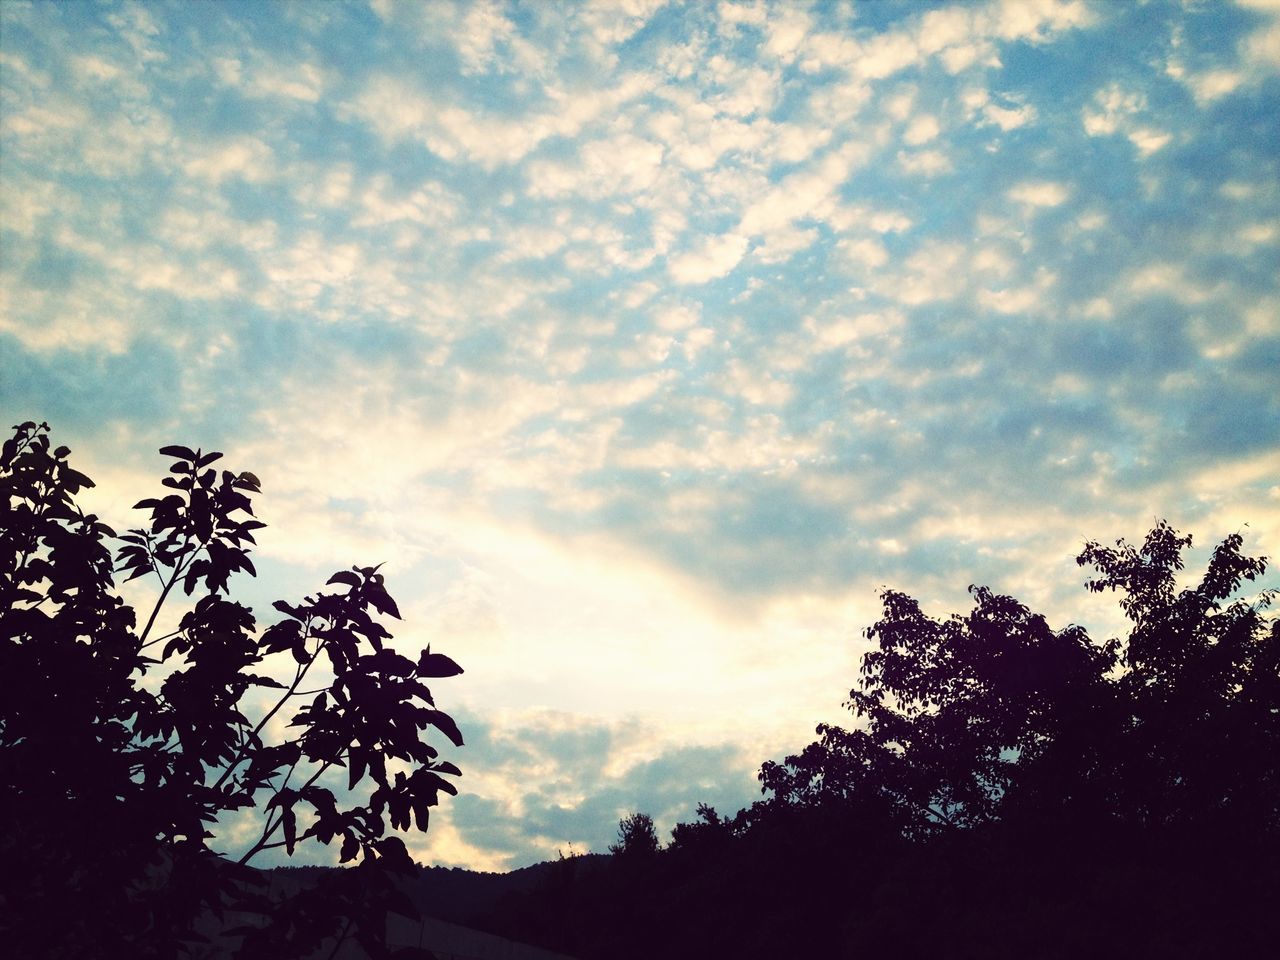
(709, 829)
(119, 746)
(1011, 791)
(636, 836)
(978, 717)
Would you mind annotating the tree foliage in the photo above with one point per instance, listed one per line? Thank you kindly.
(1008, 790)
(994, 715)
(637, 837)
(120, 747)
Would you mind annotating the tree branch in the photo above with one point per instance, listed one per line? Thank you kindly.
(297, 680)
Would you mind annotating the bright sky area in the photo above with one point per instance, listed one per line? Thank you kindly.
(645, 341)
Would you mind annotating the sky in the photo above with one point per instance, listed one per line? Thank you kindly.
(645, 342)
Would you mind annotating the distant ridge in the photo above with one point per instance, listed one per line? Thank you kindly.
(461, 909)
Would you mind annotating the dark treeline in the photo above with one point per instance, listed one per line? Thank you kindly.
(1005, 790)
(1010, 791)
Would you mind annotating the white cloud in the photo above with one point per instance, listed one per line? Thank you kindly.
(884, 55)
(139, 29)
(922, 129)
(623, 164)
(1112, 107)
(1257, 58)
(1008, 118)
(679, 316)
(735, 15)
(867, 251)
(1149, 140)
(1168, 279)
(1116, 110)
(842, 331)
(804, 194)
(247, 158)
(95, 69)
(1039, 193)
(757, 387)
(784, 243)
(1036, 21)
(1261, 48)
(14, 64)
(52, 126)
(1018, 299)
(397, 110)
(933, 272)
(612, 22)
(303, 81)
(950, 26)
(742, 90)
(482, 29)
(927, 163)
(430, 205)
(785, 31)
(228, 70)
(713, 258)
(1214, 84)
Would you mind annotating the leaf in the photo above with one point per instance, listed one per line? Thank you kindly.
(344, 576)
(359, 763)
(280, 636)
(350, 847)
(382, 602)
(289, 609)
(444, 723)
(182, 453)
(75, 480)
(437, 665)
(193, 575)
(260, 681)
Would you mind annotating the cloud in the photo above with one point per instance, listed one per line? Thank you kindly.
(1007, 114)
(247, 158)
(922, 129)
(303, 81)
(397, 110)
(625, 164)
(562, 796)
(1043, 193)
(714, 258)
(1038, 21)
(927, 163)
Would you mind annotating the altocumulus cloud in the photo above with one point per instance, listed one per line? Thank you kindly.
(645, 340)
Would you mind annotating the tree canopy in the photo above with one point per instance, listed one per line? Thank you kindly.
(1007, 790)
(637, 836)
(993, 715)
(121, 746)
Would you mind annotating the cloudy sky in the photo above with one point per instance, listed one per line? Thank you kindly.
(644, 341)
